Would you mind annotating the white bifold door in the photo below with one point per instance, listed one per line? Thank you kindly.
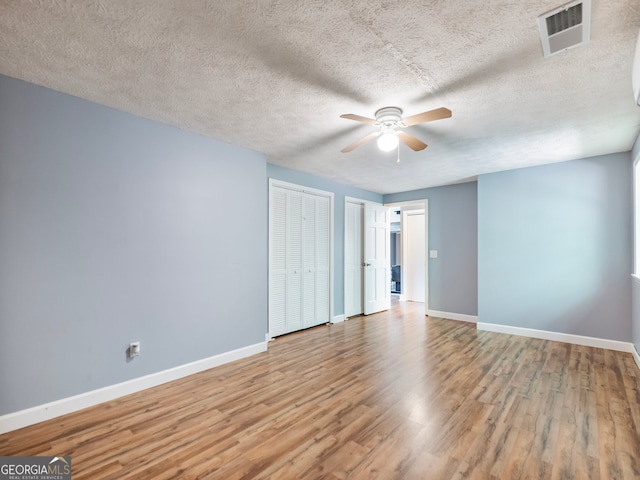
(299, 258)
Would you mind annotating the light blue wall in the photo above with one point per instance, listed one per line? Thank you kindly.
(453, 231)
(116, 229)
(555, 249)
(340, 191)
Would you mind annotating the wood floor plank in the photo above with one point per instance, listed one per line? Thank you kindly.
(391, 395)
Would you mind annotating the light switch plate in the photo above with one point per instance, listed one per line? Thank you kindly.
(433, 253)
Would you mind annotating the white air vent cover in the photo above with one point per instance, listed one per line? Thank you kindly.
(565, 27)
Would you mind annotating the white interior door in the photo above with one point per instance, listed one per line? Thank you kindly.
(353, 259)
(377, 269)
(414, 268)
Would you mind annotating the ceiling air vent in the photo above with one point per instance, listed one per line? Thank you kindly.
(565, 27)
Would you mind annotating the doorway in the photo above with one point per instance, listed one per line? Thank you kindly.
(367, 272)
(396, 253)
(415, 255)
(413, 263)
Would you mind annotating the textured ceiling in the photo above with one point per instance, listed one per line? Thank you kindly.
(274, 76)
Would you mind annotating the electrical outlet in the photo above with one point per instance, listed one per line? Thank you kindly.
(134, 349)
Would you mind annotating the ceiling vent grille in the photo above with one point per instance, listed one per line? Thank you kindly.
(565, 27)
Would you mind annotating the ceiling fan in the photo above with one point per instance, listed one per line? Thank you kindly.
(390, 122)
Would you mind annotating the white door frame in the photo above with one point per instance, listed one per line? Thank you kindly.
(416, 205)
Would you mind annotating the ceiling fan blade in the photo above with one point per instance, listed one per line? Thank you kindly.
(358, 118)
(437, 114)
(371, 136)
(411, 141)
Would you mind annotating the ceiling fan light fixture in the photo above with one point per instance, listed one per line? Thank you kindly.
(387, 141)
(390, 124)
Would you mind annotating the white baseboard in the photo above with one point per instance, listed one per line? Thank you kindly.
(636, 357)
(338, 319)
(559, 337)
(47, 411)
(453, 316)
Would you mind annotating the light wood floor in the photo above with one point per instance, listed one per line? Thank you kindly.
(393, 395)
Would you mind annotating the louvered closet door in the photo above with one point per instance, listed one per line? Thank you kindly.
(322, 260)
(299, 263)
(309, 261)
(315, 260)
(285, 263)
(278, 262)
(294, 262)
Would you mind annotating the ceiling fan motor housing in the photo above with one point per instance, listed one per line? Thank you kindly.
(389, 116)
